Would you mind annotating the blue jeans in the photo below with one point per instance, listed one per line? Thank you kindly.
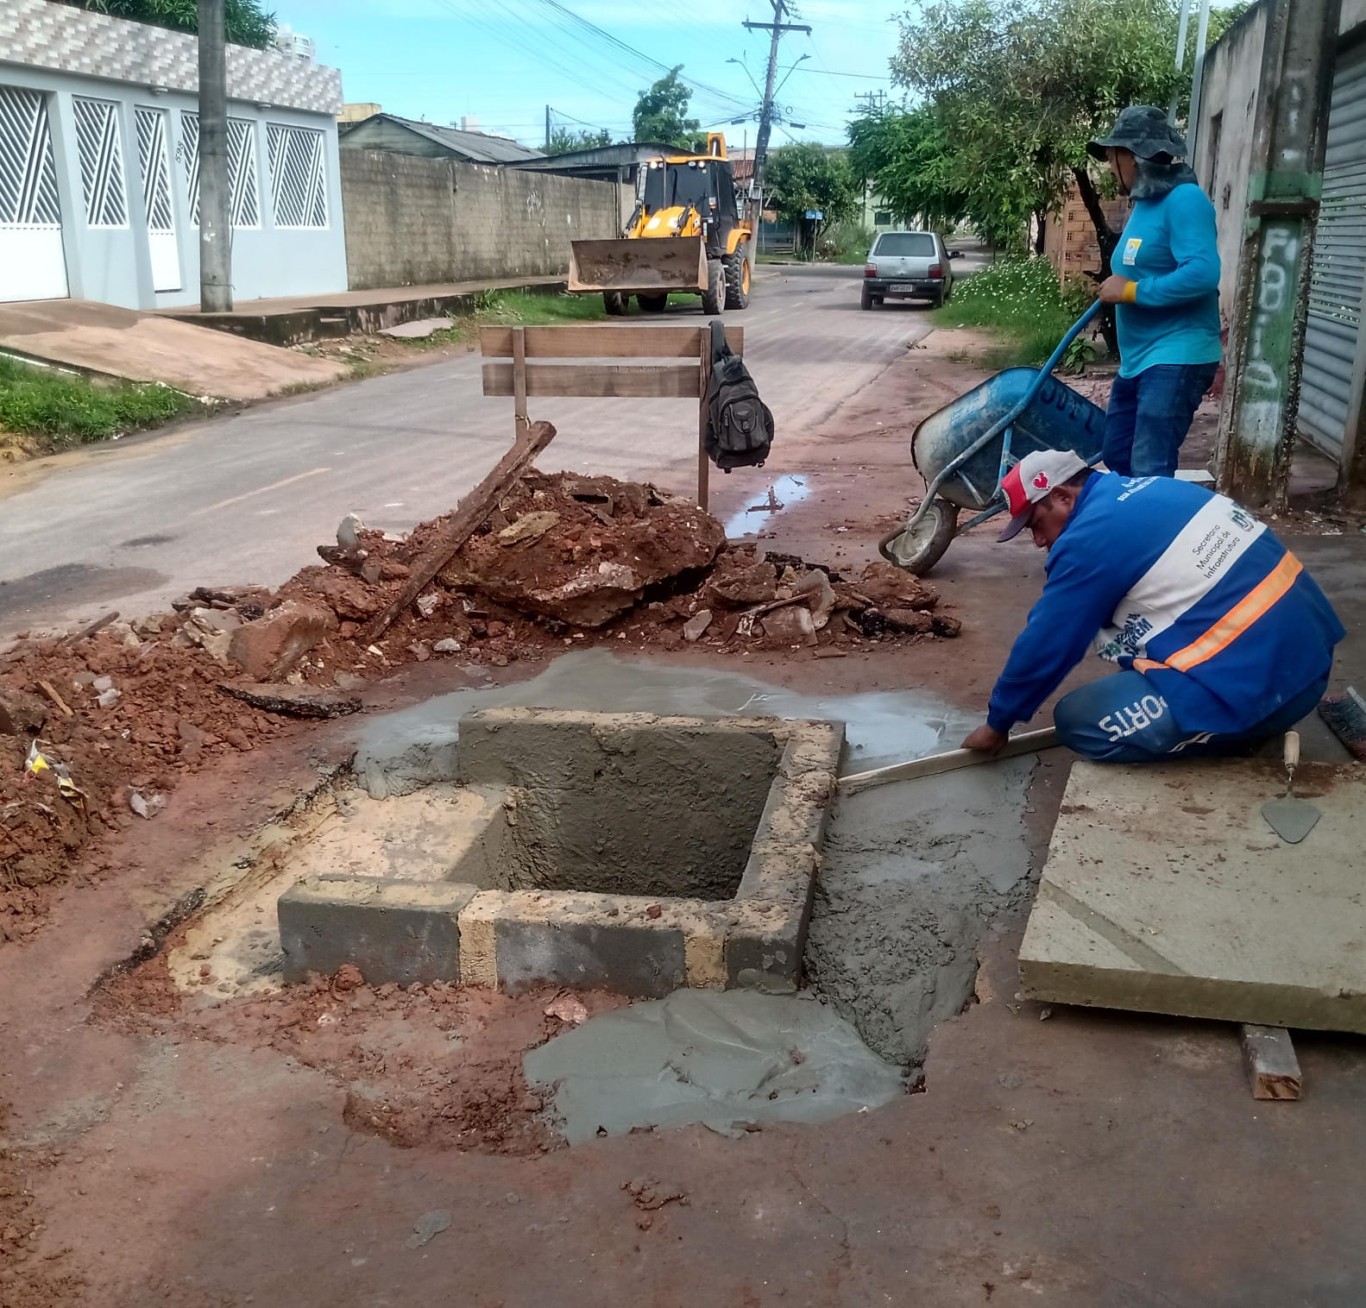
(1122, 719)
(1149, 415)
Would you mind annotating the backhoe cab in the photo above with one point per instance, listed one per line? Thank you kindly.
(685, 235)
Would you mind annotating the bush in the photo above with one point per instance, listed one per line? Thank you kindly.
(1020, 298)
(846, 242)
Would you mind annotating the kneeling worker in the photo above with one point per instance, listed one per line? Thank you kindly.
(1222, 637)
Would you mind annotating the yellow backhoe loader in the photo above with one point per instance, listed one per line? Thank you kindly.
(687, 234)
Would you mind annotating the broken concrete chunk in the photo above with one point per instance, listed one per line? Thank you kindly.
(530, 526)
(427, 604)
(820, 595)
(269, 648)
(697, 625)
(446, 646)
(296, 701)
(790, 625)
(756, 584)
(146, 806)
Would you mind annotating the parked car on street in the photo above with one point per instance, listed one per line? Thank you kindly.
(907, 266)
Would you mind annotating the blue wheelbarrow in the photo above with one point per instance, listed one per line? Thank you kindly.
(965, 449)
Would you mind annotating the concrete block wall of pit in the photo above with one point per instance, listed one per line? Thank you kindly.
(761, 786)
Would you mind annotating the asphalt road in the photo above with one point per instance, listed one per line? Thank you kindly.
(245, 499)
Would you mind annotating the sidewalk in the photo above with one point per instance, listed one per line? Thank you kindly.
(292, 320)
(112, 342)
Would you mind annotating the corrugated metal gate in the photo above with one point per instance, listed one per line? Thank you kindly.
(1334, 322)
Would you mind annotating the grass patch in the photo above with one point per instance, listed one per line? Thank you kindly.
(1020, 300)
(63, 409)
(512, 308)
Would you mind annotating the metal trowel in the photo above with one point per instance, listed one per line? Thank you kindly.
(1290, 818)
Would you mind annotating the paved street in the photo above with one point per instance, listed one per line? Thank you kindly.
(246, 498)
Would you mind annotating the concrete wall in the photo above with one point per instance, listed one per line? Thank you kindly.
(1224, 140)
(415, 222)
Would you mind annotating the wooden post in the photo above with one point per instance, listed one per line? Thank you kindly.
(704, 379)
(520, 421)
(1273, 1071)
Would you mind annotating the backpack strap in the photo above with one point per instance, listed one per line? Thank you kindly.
(720, 347)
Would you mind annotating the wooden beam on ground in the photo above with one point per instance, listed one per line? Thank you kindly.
(1273, 1071)
(469, 515)
(603, 342)
(1027, 742)
(669, 381)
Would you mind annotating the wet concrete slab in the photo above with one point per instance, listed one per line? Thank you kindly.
(1165, 891)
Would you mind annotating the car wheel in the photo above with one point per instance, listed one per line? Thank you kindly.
(653, 303)
(614, 302)
(714, 297)
(866, 298)
(940, 298)
(737, 279)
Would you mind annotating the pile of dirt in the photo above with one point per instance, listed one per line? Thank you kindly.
(96, 728)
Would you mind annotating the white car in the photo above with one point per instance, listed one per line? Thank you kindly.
(907, 266)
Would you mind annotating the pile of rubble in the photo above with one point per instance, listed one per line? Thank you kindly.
(96, 727)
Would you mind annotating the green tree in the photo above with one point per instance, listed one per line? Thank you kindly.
(807, 177)
(908, 161)
(661, 113)
(563, 141)
(247, 22)
(1019, 86)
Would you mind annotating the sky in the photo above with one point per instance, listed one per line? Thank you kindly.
(504, 61)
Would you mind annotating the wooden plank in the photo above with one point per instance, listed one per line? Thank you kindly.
(47, 689)
(1273, 1070)
(603, 341)
(469, 513)
(670, 381)
(519, 414)
(1027, 742)
(703, 378)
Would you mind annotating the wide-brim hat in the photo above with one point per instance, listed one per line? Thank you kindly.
(1144, 131)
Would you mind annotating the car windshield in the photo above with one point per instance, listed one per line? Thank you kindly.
(912, 243)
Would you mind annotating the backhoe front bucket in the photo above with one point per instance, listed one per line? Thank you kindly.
(639, 266)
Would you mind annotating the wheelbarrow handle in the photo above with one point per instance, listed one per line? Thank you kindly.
(1002, 423)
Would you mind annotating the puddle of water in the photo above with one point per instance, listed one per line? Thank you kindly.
(763, 507)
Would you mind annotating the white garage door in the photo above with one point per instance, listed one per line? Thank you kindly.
(32, 262)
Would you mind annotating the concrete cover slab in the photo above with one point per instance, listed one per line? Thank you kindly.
(1165, 891)
(103, 338)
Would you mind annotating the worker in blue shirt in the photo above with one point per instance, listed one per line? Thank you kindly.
(1221, 638)
(1165, 289)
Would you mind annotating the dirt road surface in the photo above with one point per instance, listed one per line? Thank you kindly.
(348, 1146)
(133, 525)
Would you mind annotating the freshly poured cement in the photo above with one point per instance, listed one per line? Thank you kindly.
(1224, 921)
(723, 1059)
(913, 871)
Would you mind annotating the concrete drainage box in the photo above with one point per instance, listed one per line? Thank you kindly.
(625, 851)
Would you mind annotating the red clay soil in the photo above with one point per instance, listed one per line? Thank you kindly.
(505, 598)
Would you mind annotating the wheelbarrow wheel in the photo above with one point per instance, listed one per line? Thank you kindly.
(919, 549)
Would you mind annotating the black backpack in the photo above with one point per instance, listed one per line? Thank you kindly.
(739, 424)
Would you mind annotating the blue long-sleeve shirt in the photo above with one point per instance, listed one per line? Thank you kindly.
(1183, 586)
(1170, 248)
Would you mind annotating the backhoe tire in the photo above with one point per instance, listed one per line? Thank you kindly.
(653, 303)
(737, 280)
(714, 297)
(615, 303)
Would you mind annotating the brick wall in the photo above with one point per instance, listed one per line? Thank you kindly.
(415, 222)
(1070, 237)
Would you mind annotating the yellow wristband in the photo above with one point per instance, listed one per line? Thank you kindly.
(1130, 293)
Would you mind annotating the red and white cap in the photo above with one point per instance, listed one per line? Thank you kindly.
(1031, 479)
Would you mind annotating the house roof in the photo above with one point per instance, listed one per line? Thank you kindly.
(477, 147)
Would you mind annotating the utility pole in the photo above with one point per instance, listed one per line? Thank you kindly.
(547, 129)
(776, 29)
(215, 220)
(1271, 297)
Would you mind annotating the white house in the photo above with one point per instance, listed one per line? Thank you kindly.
(99, 163)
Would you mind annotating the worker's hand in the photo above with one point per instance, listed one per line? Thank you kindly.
(986, 739)
(1115, 290)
